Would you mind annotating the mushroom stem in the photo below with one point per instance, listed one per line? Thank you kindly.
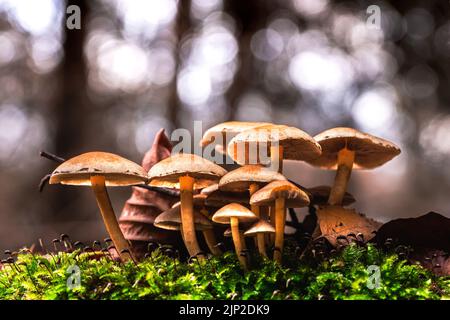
(211, 242)
(346, 158)
(280, 220)
(187, 215)
(237, 240)
(260, 241)
(109, 218)
(276, 158)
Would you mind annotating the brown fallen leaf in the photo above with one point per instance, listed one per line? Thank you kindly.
(141, 209)
(428, 235)
(431, 230)
(335, 221)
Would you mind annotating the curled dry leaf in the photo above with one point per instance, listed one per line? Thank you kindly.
(335, 222)
(141, 209)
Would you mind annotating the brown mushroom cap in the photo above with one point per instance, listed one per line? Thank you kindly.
(295, 197)
(297, 144)
(370, 151)
(320, 194)
(234, 210)
(240, 179)
(261, 226)
(227, 130)
(171, 220)
(210, 189)
(167, 172)
(117, 170)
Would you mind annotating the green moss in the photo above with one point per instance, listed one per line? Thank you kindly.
(341, 276)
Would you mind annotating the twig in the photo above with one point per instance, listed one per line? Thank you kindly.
(52, 157)
(44, 182)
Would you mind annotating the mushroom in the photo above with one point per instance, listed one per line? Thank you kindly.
(285, 195)
(186, 172)
(100, 170)
(171, 220)
(347, 148)
(250, 178)
(234, 214)
(282, 142)
(261, 227)
(226, 131)
(320, 194)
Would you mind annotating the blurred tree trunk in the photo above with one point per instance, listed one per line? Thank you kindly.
(250, 16)
(71, 105)
(182, 25)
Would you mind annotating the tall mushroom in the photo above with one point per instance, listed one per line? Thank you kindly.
(100, 170)
(347, 148)
(279, 141)
(285, 195)
(250, 178)
(234, 214)
(186, 172)
(226, 131)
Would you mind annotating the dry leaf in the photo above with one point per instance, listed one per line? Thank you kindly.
(141, 209)
(335, 221)
(431, 230)
(428, 236)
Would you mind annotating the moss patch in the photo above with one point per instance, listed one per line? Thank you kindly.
(342, 275)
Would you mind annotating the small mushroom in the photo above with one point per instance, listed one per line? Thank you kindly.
(280, 141)
(208, 234)
(260, 228)
(186, 172)
(249, 178)
(100, 170)
(234, 214)
(347, 148)
(171, 220)
(285, 195)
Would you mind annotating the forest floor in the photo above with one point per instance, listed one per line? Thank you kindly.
(356, 271)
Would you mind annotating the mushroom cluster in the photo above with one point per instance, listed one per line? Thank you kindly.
(252, 199)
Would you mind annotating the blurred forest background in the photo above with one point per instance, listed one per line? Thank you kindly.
(140, 65)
